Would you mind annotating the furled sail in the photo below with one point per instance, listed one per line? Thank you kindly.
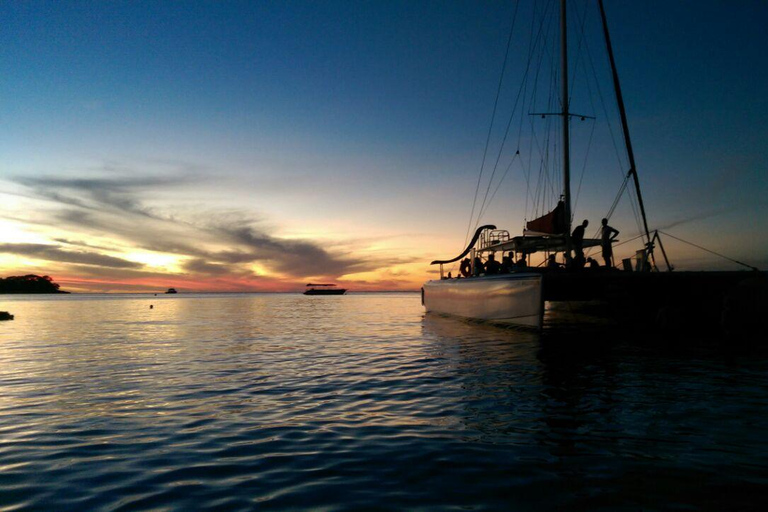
(552, 223)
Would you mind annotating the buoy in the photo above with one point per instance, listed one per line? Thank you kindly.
(151, 306)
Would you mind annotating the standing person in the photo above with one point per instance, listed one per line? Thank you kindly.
(577, 240)
(608, 235)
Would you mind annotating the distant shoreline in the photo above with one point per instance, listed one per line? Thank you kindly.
(192, 293)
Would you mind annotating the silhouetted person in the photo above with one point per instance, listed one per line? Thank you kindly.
(578, 261)
(479, 267)
(521, 263)
(492, 267)
(577, 241)
(552, 262)
(608, 235)
(591, 263)
(506, 264)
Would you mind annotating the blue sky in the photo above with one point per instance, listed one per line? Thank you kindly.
(355, 128)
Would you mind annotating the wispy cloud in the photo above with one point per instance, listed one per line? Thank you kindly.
(55, 253)
(209, 243)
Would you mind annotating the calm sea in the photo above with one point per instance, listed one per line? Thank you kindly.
(361, 402)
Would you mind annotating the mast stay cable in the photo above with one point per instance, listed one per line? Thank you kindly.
(493, 118)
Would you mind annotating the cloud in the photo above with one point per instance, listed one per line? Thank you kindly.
(54, 253)
(201, 266)
(97, 193)
(214, 243)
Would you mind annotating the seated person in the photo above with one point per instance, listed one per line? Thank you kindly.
(492, 267)
(479, 267)
(506, 264)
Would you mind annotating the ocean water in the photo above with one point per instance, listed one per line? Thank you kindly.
(363, 402)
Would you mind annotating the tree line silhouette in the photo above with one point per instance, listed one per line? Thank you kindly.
(30, 283)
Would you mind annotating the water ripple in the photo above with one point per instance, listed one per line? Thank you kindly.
(243, 402)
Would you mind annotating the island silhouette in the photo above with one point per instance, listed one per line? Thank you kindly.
(29, 283)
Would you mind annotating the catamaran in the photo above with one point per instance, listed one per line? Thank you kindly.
(519, 293)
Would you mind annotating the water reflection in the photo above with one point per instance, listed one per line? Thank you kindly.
(293, 402)
(609, 419)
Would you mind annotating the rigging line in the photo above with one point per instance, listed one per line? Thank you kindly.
(544, 155)
(632, 199)
(618, 197)
(535, 92)
(619, 244)
(493, 118)
(503, 142)
(594, 124)
(602, 103)
(579, 45)
(546, 167)
(641, 235)
(527, 165)
(506, 171)
(509, 123)
(529, 193)
(709, 251)
(584, 167)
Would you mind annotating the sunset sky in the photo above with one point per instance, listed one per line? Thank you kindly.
(238, 146)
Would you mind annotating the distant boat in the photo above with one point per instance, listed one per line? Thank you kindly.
(324, 289)
(171, 290)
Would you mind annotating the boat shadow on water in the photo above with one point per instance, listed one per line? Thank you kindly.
(605, 417)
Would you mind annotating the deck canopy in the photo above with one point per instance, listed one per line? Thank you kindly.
(531, 244)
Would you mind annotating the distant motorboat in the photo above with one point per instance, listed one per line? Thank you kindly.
(171, 290)
(324, 289)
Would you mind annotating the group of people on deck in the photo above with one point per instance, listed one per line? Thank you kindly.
(608, 234)
(492, 267)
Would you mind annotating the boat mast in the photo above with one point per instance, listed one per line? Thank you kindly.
(624, 125)
(566, 134)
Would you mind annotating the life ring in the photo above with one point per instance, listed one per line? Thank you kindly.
(466, 268)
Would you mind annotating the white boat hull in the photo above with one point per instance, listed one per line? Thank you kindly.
(514, 299)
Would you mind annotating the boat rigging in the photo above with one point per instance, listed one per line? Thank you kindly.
(509, 293)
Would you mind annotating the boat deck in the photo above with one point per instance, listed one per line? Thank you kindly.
(665, 299)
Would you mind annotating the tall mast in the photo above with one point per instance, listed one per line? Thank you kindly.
(566, 134)
(624, 125)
